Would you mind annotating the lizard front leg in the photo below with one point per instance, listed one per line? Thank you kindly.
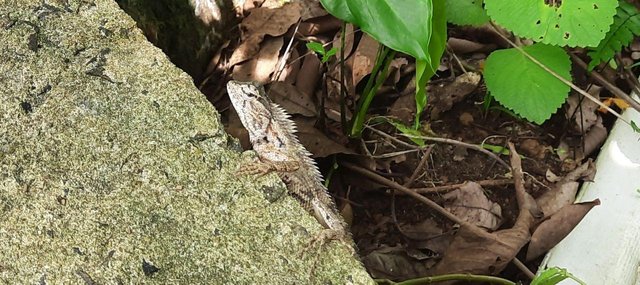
(263, 166)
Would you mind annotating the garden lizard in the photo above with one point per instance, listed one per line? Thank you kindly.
(272, 135)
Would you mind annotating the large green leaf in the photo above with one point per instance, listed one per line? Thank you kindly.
(521, 85)
(466, 12)
(625, 26)
(569, 23)
(339, 9)
(405, 26)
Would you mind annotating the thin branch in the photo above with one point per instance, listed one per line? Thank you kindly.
(444, 188)
(433, 205)
(604, 82)
(463, 144)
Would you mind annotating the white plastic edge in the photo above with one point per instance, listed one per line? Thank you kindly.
(605, 247)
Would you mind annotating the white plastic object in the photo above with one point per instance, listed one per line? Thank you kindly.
(605, 247)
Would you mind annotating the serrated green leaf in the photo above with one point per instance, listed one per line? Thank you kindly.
(625, 25)
(466, 12)
(523, 86)
(572, 23)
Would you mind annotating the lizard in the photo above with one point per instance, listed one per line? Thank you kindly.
(272, 135)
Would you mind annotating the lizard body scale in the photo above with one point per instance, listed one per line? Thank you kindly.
(272, 135)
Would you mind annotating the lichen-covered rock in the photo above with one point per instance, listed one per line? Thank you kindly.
(114, 169)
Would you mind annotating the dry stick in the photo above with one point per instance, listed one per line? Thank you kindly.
(391, 137)
(420, 167)
(287, 53)
(631, 78)
(433, 205)
(413, 177)
(437, 189)
(521, 197)
(600, 79)
(523, 268)
(463, 144)
(573, 86)
(379, 179)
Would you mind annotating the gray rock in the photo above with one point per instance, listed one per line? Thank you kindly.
(114, 169)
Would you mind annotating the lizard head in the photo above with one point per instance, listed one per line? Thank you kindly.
(253, 107)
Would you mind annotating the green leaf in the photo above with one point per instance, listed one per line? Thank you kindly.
(316, 47)
(417, 28)
(329, 54)
(425, 69)
(413, 133)
(571, 23)
(339, 9)
(405, 26)
(554, 276)
(635, 127)
(626, 24)
(523, 86)
(466, 12)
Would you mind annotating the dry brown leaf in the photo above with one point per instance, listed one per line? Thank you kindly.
(557, 227)
(533, 148)
(315, 141)
(309, 75)
(311, 9)
(460, 153)
(443, 96)
(490, 253)
(404, 109)
(334, 71)
(421, 231)
(260, 67)
(272, 4)
(290, 71)
(594, 138)
(348, 41)
(393, 263)
(246, 50)
(294, 101)
(249, 5)
(563, 192)
(470, 204)
(583, 111)
(363, 61)
(273, 22)
(462, 46)
(318, 26)
(263, 21)
(395, 70)
(478, 252)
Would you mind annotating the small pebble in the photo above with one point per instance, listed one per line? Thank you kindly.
(466, 119)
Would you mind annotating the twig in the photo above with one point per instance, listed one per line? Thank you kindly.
(463, 144)
(287, 53)
(393, 138)
(444, 188)
(418, 170)
(392, 154)
(433, 205)
(604, 82)
(523, 268)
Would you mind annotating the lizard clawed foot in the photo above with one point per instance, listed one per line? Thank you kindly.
(327, 235)
(255, 168)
